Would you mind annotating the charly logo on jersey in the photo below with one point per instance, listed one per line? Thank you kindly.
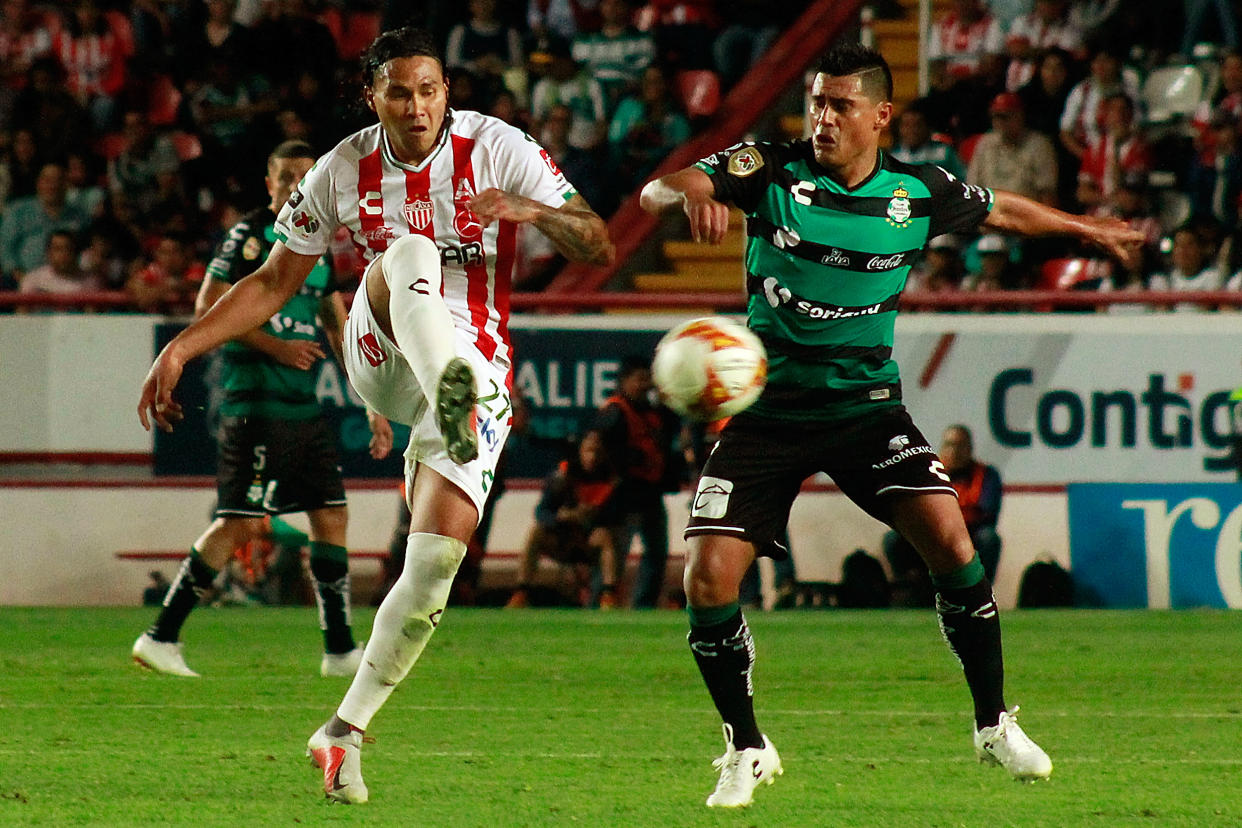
(419, 212)
(786, 238)
(745, 162)
(252, 248)
(899, 209)
(774, 293)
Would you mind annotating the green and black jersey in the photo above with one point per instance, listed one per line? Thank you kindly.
(825, 267)
(255, 384)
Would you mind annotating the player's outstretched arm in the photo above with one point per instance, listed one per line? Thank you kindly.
(1020, 216)
(574, 229)
(690, 189)
(296, 353)
(244, 307)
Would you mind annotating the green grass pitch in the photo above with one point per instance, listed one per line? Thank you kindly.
(557, 718)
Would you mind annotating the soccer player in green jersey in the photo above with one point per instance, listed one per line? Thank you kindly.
(832, 224)
(276, 454)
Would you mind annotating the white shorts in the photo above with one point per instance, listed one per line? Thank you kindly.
(381, 376)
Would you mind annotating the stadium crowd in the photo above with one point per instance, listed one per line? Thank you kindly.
(129, 132)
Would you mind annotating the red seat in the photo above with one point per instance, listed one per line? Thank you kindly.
(163, 101)
(1065, 274)
(699, 91)
(187, 145)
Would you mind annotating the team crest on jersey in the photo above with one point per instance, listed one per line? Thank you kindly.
(251, 249)
(418, 213)
(899, 207)
(745, 162)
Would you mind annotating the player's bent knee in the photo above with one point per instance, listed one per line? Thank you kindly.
(431, 561)
(412, 256)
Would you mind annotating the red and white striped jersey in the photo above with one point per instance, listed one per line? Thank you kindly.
(361, 185)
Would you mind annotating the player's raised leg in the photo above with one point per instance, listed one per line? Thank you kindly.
(442, 515)
(725, 653)
(970, 622)
(423, 329)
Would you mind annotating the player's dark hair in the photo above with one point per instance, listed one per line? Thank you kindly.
(408, 41)
(291, 149)
(633, 364)
(857, 59)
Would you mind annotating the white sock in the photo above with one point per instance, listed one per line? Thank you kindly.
(405, 621)
(421, 322)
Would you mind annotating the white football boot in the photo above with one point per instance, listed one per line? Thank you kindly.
(1006, 745)
(341, 761)
(342, 664)
(161, 656)
(741, 771)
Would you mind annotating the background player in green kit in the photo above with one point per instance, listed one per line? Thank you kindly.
(276, 454)
(832, 224)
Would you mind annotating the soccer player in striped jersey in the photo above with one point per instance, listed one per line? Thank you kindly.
(431, 197)
(832, 224)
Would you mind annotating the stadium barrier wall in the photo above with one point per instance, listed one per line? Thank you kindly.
(1052, 399)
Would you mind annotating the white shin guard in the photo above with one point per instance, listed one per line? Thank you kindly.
(404, 623)
(421, 322)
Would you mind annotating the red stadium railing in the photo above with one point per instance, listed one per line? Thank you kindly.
(1010, 300)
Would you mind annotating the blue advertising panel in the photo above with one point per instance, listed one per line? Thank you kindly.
(1157, 545)
(563, 374)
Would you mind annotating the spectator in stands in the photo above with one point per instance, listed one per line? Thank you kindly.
(29, 222)
(1043, 102)
(915, 143)
(1130, 203)
(567, 84)
(574, 525)
(1048, 26)
(206, 32)
(145, 163)
(683, 31)
(93, 47)
(994, 271)
(60, 272)
(505, 107)
(1012, 157)
(486, 46)
(25, 36)
(638, 438)
(1191, 266)
(750, 27)
(561, 19)
(45, 107)
(578, 165)
(229, 112)
(1214, 182)
(21, 165)
(292, 21)
(171, 281)
(1120, 150)
(963, 36)
(82, 189)
(617, 54)
(1196, 13)
(1227, 98)
(940, 268)
(107, 259)
(1082, 119)
(979, 492)
(644, 130)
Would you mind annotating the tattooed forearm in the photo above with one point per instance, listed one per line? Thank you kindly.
(577, 233)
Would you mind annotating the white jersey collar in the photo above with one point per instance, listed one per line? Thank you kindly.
(391, 157)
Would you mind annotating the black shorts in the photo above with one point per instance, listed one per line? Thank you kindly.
(276, 466)
(757, 468)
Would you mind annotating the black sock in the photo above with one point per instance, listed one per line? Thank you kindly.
(971, 625)
(193, 578)
(725, 653)
(329, 564)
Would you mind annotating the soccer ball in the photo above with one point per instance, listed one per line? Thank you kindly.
(709, 368)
